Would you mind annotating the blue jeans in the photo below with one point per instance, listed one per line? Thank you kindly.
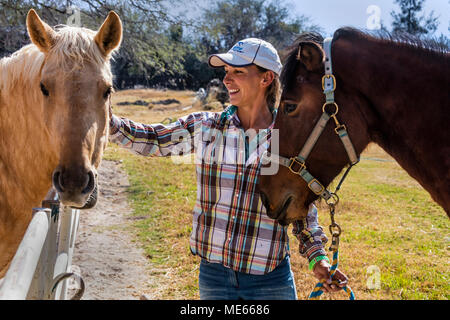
(217, 282)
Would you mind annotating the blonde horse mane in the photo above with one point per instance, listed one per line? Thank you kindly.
(74, 45)
(77, 45)
(22, 66)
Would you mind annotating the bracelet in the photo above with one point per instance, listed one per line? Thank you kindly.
(317, 259)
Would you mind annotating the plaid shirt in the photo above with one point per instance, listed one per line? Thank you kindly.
(230, 224)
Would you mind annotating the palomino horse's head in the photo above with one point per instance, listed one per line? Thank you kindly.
(76, 83)
(286, 195)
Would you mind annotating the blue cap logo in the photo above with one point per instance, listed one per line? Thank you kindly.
(238, 47)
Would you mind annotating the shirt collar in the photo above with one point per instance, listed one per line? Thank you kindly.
(230, 114)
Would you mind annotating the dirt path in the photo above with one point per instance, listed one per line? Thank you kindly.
(110, 263)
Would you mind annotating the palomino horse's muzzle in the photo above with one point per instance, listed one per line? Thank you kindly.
(77, 187)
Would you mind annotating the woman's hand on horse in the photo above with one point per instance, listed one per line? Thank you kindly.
(322, 271)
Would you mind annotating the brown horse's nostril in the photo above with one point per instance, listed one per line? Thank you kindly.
(56, 178)
(91, 183)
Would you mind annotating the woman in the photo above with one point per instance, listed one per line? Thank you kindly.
(244, 254)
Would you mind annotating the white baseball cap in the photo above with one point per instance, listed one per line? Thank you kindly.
(246, 52)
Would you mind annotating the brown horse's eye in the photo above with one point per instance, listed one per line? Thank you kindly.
(44, 90)
(107, 92)
(289, 107)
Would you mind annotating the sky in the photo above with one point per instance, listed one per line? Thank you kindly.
(332, 14)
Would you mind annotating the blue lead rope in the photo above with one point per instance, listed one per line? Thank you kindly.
(318, 289)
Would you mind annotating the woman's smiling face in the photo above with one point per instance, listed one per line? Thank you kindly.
(243, 84)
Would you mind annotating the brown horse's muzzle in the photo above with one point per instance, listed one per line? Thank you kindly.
(279, 195)
(76, 186)
(279, 213)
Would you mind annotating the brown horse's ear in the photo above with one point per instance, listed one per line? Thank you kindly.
(41, 34)
(311, 55)
(109, 35)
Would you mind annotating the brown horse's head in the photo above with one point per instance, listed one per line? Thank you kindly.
(76, 83)
(286, 195)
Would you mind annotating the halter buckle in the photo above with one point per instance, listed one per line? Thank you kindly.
(324, 78)
(315, 186)
(296, 161)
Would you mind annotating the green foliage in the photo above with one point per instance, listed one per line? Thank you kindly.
(228, 21)
(409, 21)
(13, 32)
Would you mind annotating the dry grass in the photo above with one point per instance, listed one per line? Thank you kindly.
(388, 221)
(157, 112)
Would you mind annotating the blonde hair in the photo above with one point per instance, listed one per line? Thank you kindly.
(273, 92)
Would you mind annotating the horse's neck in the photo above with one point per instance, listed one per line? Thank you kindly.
(404, 87)
(393, 77)
(406, 93)
(26, 158)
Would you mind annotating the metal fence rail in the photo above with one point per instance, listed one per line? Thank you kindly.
(42, 264)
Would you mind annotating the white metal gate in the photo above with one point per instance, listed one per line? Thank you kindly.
(42, 265)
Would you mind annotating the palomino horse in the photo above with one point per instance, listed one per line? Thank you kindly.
(391, 92)
(54, 99)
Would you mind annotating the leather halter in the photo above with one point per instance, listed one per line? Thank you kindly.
(297, 165)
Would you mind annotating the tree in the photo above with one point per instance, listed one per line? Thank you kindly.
(160, 50)
(150, 54)
(409, 21)
(228, 21)
(13, 32)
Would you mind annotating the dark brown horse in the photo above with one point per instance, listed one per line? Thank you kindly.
(391, 92)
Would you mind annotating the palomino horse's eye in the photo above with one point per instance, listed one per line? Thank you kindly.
(289, 107)
(107, 92)
(44, 90)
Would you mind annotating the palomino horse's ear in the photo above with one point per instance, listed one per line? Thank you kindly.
(109, 35)
(311, 55)
(41, 34)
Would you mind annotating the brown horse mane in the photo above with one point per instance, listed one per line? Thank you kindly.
(426, 47)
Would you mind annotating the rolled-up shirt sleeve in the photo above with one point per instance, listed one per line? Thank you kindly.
(310, 235)
(176, 138)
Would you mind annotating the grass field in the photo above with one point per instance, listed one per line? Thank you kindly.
(392, 230)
